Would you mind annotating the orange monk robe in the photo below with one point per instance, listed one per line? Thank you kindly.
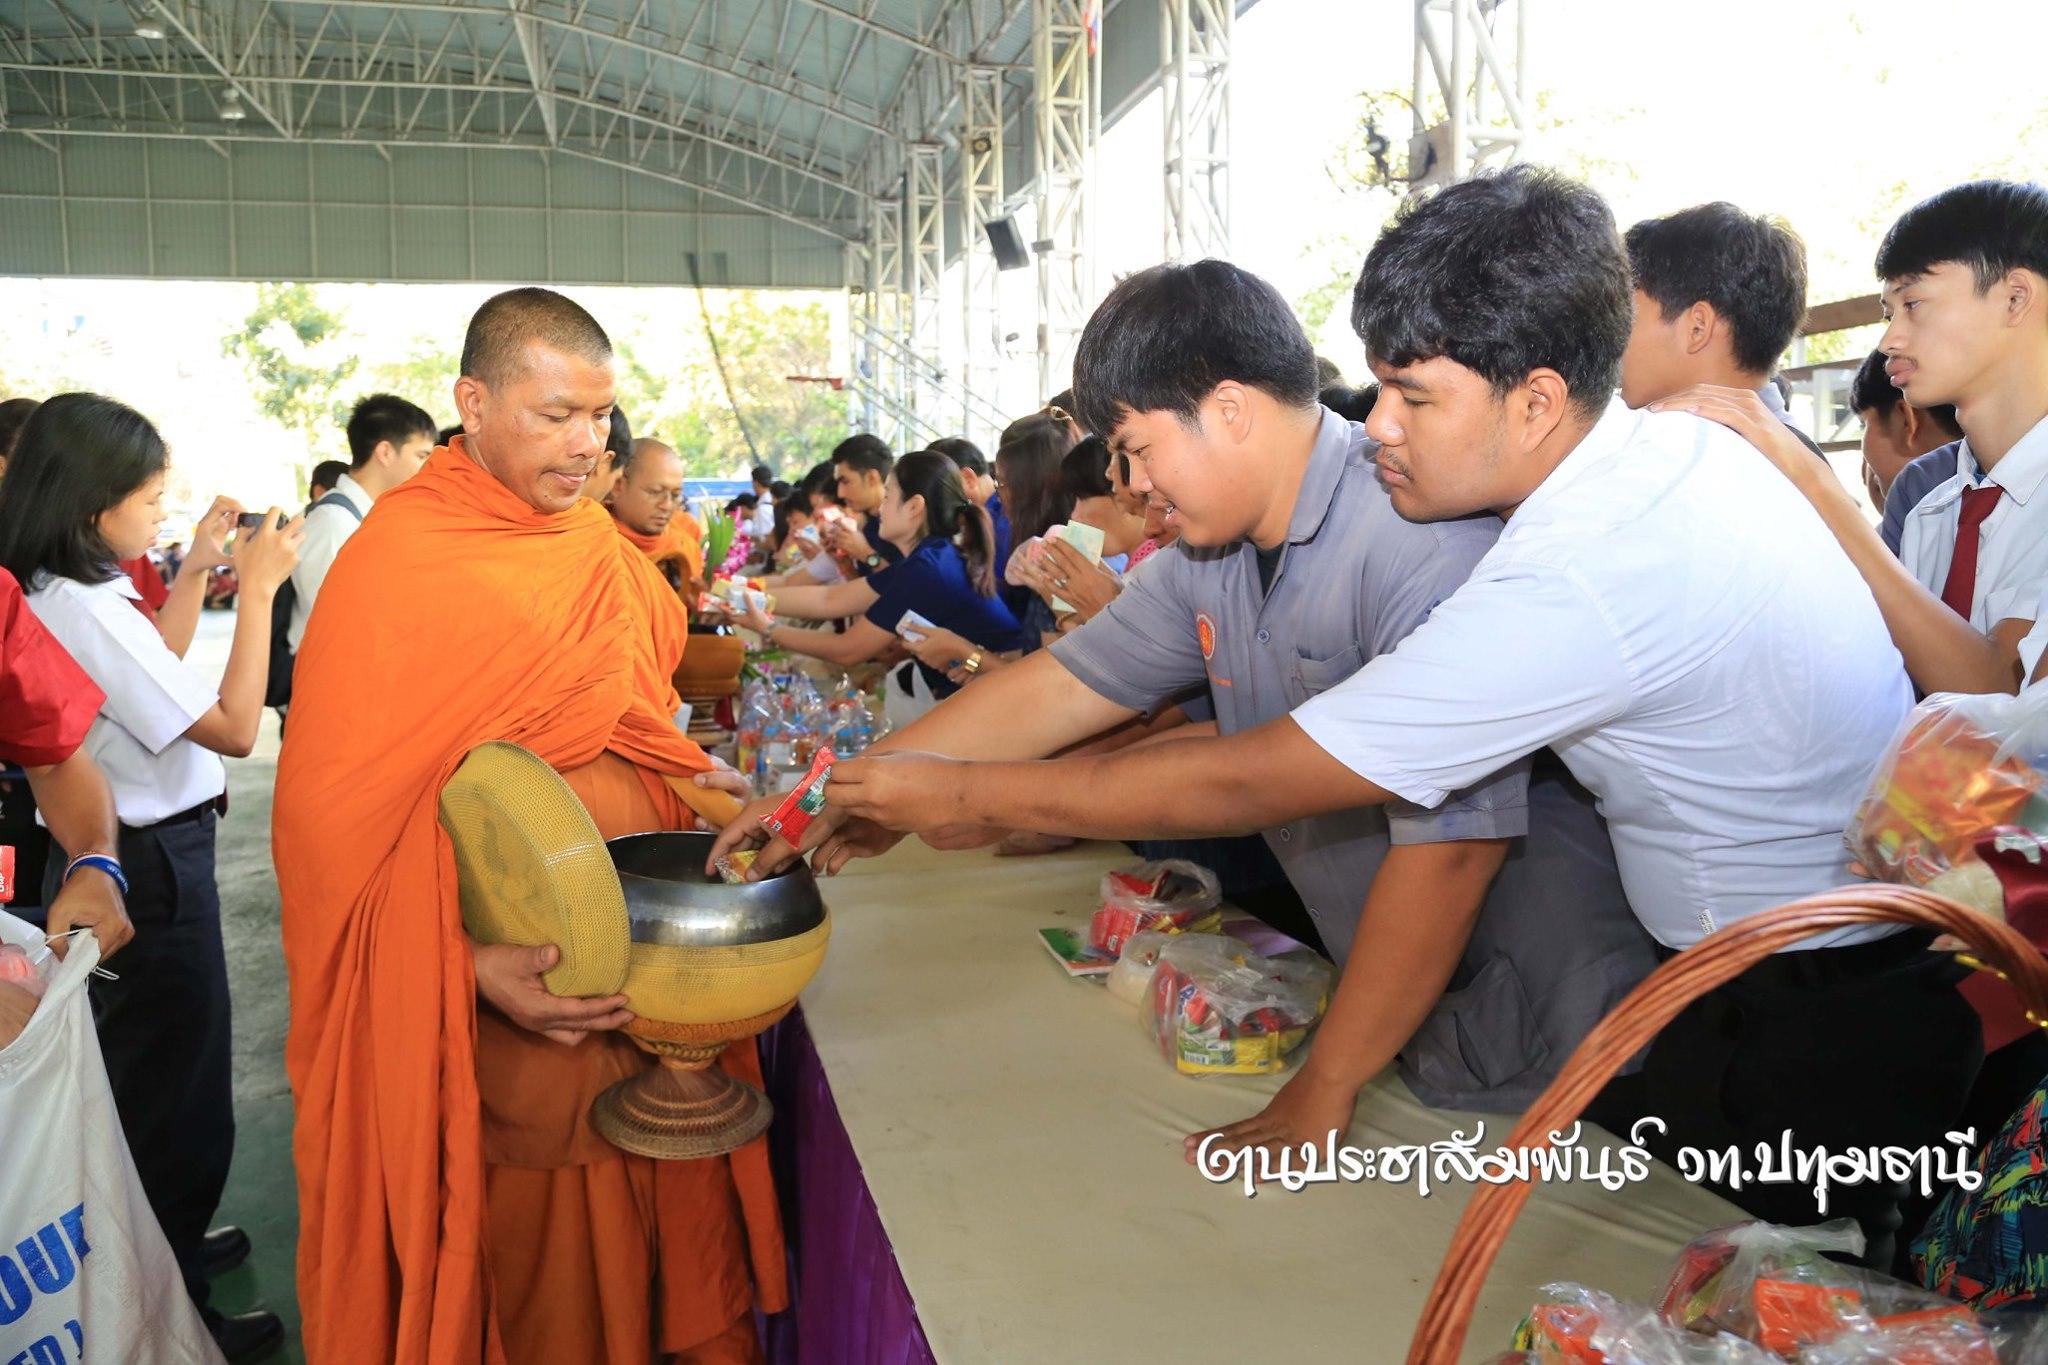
(681, 540)
(454, 1206)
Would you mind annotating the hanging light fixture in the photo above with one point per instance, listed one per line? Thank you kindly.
(231, 109)
(150, 30)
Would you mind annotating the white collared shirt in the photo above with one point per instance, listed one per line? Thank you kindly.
(1677, 624)
(2012, 545)
(327, 530)
(153, 698)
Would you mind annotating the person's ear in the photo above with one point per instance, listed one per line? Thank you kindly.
(2022, 295)
(1910, 421)
(913, 507)
(470, 396)
(1697, 326)
(1230, 404)
(1539, 405)
(385, 455)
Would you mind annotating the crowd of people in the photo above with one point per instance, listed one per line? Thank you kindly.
(1543, 655)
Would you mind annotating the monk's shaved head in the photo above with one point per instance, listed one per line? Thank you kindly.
(650, 490)
(644, 448)
(494, 349)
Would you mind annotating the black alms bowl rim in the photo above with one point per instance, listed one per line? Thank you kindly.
(671, 901)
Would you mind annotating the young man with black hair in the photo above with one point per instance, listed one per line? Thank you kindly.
(1633, 616)
(1966, 298)
(762, 520)
(325, 476)
(1896, 437)
(390, 440)
(860, 468)
(1719, 294)
(1481, 940)
(1966, 301)
(982, 487)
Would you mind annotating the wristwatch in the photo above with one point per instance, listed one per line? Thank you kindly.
(873, 561)
(971, 665)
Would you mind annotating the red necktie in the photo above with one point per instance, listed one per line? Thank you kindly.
(1960, 591)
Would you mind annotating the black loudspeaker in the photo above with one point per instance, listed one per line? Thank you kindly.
(1008, 243)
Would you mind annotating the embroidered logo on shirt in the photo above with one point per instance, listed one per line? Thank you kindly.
(1205, 632)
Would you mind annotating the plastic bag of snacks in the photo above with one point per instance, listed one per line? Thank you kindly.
(1214, 1007)
(1962, 768)
(1713, 1287)
(1573, 1323)
(1774, 1286)
(1172, 896)
(1131, 977)
(1942, 1336)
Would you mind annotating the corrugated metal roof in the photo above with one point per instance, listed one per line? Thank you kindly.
(766, 124)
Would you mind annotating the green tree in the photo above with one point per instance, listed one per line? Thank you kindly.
(670, 384)
(296, 352)
(425, 376)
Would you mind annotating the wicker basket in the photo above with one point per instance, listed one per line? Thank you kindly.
(1447, 1313)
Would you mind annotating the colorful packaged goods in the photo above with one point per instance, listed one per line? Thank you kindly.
(804, 804)
(1214, 1007)
(1170, 896)
(1571, 1323)
(732, 867)
(1963, 768)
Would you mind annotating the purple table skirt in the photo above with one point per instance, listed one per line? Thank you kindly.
(850, 1305)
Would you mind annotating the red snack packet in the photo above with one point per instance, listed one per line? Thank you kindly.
(1791, 1314)
(803, 804)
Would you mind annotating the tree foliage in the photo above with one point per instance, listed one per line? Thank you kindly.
(297, 354)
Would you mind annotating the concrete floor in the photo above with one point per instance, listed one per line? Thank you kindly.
(262, 1195)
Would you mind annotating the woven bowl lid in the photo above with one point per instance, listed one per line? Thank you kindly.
(533, 868)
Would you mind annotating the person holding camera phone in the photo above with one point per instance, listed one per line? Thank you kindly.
(84, 490)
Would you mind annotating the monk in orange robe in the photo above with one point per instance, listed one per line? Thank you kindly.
(455, 1204)
(647, 506)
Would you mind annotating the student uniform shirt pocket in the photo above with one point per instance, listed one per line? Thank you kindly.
(1312, 676)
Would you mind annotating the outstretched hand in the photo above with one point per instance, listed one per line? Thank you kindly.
(1744, 413)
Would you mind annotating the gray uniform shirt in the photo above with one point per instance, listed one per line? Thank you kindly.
(1555, 944)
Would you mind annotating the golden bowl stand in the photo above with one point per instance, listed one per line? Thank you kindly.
(687, 1106)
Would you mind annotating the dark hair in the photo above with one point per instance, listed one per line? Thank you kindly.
(13, 416)
(1327, 373)
(1167, 336)
(384, 417)
(1872, 390)
(1084, 470)
(1991, 226)
(820, 482)
(864, 451)
(506, 322)
(619, 441)
(962, 452)
(327, 474)
(761, 474)
(1353, 405)
(1505, 273)
(447, 434)
(1028, 463)
(932, 476)
(778, 489)
(747, 502)
(1750, 267)
(77, 455)
(791, 505)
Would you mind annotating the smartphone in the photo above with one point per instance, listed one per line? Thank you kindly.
(249, 521)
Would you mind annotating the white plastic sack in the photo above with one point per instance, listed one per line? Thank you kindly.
(85, 1273)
